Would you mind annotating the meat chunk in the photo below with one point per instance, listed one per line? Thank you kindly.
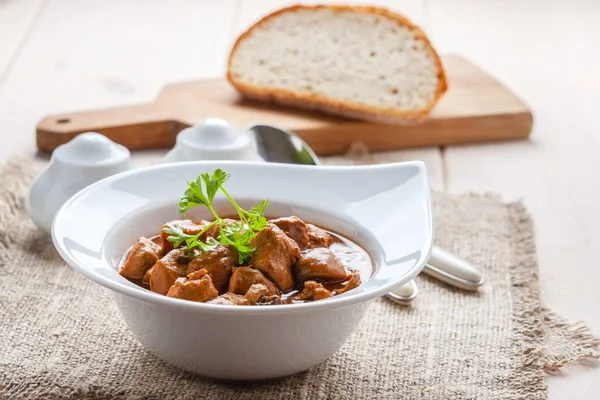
(230, 299)
(188, 226)
(295, 228)
(307, 236)
(166, 271)
(218, 262)
(321, 265)
(244, 277)
(147, 276)
(352, 283)
(317, 237)
(255, 292)
(197, 286)
(141, 258)
(269, 300)
(275, 254)
(313, 291)
(259, 294)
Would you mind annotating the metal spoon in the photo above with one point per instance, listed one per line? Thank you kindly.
(404, 294)
(281, 146)
(450, 269)
(278, 145)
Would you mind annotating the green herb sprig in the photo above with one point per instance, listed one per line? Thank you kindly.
(238, 234)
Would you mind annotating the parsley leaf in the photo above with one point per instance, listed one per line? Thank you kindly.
(195, 195)
(177, 236)
(238, 234)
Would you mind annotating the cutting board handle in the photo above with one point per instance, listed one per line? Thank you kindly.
(141, 126)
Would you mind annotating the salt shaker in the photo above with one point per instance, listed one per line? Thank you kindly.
(213, 139)
(86, 159)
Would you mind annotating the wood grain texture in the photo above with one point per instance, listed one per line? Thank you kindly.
(476, 108)
(16, 18)
(110, 53)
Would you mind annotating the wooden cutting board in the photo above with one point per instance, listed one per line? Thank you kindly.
(476, 108)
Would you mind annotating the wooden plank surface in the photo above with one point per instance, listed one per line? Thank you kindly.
(546, 52)
(16, 19)
(109, 53)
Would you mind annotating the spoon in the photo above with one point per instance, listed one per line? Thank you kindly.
(277, 145)
(281, 146)
(404, 294)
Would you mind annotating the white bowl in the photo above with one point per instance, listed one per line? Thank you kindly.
(384, 208)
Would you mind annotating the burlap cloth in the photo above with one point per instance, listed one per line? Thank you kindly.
(62, 336)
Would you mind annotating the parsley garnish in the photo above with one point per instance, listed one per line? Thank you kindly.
(238, 234)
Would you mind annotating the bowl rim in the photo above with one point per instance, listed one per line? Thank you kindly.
(345, 299)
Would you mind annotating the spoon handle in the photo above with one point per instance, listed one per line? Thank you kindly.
(452, 270)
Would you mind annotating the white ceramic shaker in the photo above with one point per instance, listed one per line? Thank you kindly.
(213, 139)
(86, 159)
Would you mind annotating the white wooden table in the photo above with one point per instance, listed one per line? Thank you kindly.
(65, 55)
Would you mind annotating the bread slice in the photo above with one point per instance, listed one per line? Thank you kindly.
(359, 62)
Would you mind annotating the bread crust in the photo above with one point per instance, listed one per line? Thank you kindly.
(335, 106)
